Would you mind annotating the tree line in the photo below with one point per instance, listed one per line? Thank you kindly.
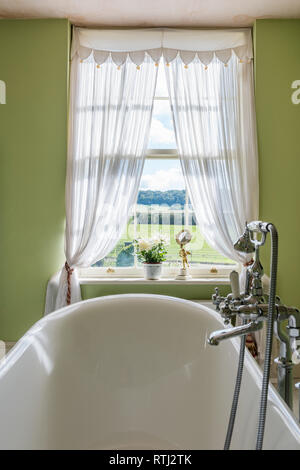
(171, 197)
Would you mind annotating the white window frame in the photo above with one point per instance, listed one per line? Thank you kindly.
(204, 271)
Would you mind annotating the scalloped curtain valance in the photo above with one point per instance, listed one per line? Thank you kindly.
(170, 43)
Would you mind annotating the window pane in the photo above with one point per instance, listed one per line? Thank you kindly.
(161, 202)
(123, 253)
(161, 85)
(161, 132)
(162, 174)
(162, 209)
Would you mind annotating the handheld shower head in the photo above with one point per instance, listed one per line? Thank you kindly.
(244, 243)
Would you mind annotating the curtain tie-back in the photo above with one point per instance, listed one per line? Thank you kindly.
(69, 275)
(249, 263)
(252, 345)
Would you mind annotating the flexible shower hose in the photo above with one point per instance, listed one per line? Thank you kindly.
(269, 339)
(268, 352)
(236, 392)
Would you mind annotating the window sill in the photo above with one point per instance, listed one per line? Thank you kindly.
(138, 280)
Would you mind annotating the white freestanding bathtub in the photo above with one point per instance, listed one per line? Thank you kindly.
(132, 372)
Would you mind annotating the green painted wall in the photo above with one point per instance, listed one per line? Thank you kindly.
(277, 65)
(185, 292)
(33, 138)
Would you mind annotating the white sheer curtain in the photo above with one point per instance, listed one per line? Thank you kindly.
(110, 115)
(215, 127)
(214, 122)
(113, 78)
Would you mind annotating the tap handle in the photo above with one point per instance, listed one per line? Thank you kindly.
(215, 295)
(235, 285)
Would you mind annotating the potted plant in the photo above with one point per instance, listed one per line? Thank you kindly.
(152, 253)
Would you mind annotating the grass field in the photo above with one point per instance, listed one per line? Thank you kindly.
(200, 251)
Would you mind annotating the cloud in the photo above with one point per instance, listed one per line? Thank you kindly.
(163, 180)
(162, 108)
(160, 135)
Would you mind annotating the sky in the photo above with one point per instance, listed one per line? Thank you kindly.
(161, 131)
(162, 174)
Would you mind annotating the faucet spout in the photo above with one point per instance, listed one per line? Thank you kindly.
(217, 336)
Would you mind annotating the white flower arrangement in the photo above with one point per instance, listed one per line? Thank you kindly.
(152, 251)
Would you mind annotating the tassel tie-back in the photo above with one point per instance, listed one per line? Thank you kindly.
(252, 345)
(249, 263)
(69, 275)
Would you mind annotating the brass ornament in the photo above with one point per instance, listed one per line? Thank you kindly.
(183, 238)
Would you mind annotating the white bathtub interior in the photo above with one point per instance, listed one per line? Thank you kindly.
(132, 372)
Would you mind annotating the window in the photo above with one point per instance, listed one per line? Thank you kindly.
(162, 205)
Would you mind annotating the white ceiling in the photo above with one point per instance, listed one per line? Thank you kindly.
(151, 13)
